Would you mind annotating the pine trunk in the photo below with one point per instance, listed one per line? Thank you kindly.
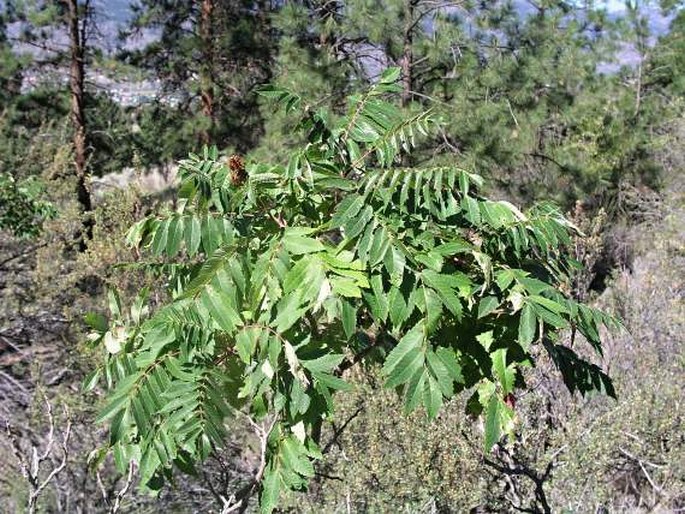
(206, 82)
(78, 118)
(407, 52)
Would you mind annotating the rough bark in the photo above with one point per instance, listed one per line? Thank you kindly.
(77, 35)
(407, 51)
(206, 79)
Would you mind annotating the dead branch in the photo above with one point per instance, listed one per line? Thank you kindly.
(30, 460)
(115, 505)
(238, 502)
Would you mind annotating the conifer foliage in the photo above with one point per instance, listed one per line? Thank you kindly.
(282, 276)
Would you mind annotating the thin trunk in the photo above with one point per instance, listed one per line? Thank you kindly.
(407, 65)
(407, 52)
(206, 82)
(78, 118)
(638, 89)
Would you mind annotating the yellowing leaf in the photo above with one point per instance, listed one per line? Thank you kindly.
(294, 364)
(267, 369)
(298, 431)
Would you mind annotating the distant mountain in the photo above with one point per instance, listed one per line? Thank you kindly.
(119, 11)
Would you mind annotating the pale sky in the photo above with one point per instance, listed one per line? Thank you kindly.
(615, 5)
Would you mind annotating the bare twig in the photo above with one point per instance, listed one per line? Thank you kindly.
(115, 505)
(641, 462)
(538, 480)
(122, 492)
(30, 466)
(23, 253)
(238, 502)
(337, 432)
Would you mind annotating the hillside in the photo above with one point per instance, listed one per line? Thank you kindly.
(360, 256)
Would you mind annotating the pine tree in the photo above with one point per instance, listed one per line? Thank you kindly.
(507, 83)
(312, 58)
(11, 65)
(667, 66)
(211, 57)
(43, 25)
(77, 15)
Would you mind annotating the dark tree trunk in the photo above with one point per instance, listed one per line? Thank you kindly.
(407, 51)
(77, 29)
(206, 79)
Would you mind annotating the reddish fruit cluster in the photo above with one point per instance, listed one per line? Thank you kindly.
(237, 166)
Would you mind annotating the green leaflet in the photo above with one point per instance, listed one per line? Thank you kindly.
(346, 211)
(555, 307)
(390, 76)
(470, 207)
(208, 272)
(356, 225)
(414, 391)
(305, 279)
(394, 264)
(452, 366)
(297, 242)
(444, 378)
(193, 234)
(246, 342)
(432, 260)
(398, 307)
(112, 408)
(446, 286)
(211, 233)
(504, 374)
(499, 420)
(493, 426)
(430, 305)
(349, 318)
(270, 490)
(346, 287)
(325, 363)
(504, 278)
(410, 342)
(410, 363)
(379, 246)
(160, 240)
(221, 309)
(527, 326)
(175, 236)
(550, 317)
(289, 312)
(331, 381)
(91, 380)
(487, 305)
(432, 397)
(377, 299)
(427, 376)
